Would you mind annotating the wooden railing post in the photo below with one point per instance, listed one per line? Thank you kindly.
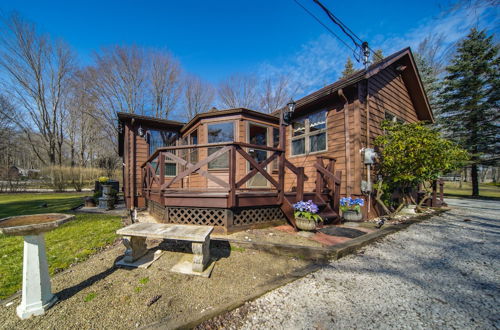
(319, 179)
(336, 192)
(441, 191)
(162, 175)
(281, 177)
(300, 184)
(232, 177)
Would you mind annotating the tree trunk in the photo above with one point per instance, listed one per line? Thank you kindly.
(475, 181)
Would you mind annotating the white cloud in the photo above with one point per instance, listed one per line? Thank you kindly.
(452, 25)
(320, 62)
(315, 65)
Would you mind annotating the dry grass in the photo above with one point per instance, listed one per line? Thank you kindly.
(485, 189)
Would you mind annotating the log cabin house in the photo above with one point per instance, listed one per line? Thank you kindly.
(239, 168)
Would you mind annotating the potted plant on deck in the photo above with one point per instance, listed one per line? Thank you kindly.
(351, 208)
(306, 217)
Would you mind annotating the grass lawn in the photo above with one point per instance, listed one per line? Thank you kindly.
(485, 189)
(74, 241)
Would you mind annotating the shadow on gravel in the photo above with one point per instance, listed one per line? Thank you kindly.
(445, 278)
(71, 291)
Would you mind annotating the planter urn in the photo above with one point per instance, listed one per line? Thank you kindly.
(106, 201)
(352, 215)
(305, 224)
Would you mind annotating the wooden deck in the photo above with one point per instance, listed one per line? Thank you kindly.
(234, 194)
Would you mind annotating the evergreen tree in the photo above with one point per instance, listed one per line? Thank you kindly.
(348, 68)
(470, 100)
(377, 56)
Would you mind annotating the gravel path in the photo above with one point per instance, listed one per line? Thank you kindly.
(441, 273)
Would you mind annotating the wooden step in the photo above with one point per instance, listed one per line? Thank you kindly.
(329, 217)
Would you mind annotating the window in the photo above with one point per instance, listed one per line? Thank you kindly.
(309, 134)
(390, 117)
(190, 155)
(158, 139)
(217, 133)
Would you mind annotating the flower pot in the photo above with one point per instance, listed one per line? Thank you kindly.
(352, 215)
(305, 224)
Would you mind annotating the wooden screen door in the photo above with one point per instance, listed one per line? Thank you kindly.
(257, 134)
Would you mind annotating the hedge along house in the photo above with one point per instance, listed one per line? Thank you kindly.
(238, 168)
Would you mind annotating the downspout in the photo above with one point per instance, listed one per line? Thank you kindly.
(367, 104)
(368, 167)
(347, 143)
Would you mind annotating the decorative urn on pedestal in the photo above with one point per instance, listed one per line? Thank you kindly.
(306, 217)
(107, 200)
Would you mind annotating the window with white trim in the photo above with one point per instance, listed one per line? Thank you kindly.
(309, 134)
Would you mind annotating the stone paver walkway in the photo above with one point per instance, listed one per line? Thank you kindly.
(441, 273)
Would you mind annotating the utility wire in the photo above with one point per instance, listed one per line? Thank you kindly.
(328, 29)
(339, 23)
(344, 27)
(347, 31)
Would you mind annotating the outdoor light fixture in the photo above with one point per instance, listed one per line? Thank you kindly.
(141, 131)
(287, 116)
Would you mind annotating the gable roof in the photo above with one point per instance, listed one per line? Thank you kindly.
(410, 76)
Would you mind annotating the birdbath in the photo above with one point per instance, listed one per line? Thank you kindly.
(37, 294)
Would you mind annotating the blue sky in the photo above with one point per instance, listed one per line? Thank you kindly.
(214, 39)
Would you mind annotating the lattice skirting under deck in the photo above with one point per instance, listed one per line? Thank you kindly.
(225, 219)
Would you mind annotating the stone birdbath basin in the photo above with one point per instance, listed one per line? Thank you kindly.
(37, 295)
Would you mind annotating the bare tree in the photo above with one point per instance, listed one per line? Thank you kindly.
(239, 91)
(198, 96)
(275, 93)
(129, 78)
(6, 111)
(119, 78)
(84, 126)
(166, 86)
(36, 73)
(433, 52)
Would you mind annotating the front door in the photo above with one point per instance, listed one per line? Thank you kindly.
(257, 135)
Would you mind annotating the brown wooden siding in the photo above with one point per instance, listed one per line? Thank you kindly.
(335, 148)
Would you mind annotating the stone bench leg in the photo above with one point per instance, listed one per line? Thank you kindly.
(136, 248)
(201, 255)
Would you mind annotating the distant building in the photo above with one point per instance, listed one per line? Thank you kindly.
(16, 172)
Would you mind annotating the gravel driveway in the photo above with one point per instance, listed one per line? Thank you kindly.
(441, 273)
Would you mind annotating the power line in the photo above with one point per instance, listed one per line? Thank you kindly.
(344, 27)
(360, 45)
(328, 29)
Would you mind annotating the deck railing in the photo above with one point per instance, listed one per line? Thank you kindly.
(157, 184)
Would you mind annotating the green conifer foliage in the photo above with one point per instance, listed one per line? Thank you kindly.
(348, 68)
(470, 100)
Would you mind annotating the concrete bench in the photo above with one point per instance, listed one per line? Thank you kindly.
(135, 240)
